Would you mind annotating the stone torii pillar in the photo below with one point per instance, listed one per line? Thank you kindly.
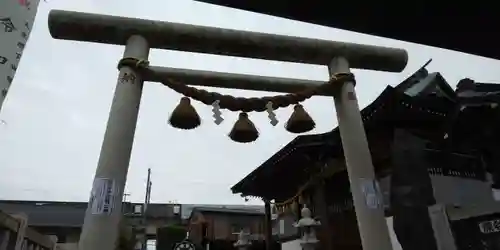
(103, 214)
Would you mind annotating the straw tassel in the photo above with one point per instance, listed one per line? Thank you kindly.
(244, 130)
(300, 121)
(184, 115)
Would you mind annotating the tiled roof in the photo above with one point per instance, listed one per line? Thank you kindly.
(411, 92)
(71, 214)
(64, 214)
(248, 211)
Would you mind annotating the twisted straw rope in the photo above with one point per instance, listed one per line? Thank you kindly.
(257, 104)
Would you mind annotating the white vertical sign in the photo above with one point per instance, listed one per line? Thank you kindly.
(372, 193)
(16, 21)
(102, 198)
(282, 226)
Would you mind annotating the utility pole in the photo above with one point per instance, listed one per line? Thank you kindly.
(147, 199)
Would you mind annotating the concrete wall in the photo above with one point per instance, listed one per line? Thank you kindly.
(461, 192)
(464, 198)
(291, 245)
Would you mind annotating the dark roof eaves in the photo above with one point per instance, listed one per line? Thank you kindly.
(313, 139)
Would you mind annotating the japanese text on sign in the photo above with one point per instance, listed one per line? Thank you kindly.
(372, 193)
(102, 196)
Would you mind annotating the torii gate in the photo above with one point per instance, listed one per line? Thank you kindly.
(139, 36)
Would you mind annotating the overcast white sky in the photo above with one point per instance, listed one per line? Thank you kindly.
(58, 106)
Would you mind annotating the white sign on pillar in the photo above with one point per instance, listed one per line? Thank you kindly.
(102, 197)
(16, 21)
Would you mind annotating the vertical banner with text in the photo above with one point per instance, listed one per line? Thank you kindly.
(16, 21)
(102, 197)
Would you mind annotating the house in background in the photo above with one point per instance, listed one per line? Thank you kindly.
(207, 224)
(65, 219)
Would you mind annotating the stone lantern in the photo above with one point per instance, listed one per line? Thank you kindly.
(243, 242)
(307, 227)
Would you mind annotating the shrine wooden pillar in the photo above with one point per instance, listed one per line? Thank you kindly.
(268, 225)
(321, 211)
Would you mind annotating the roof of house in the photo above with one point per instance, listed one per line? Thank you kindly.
(187, 209)
(294, 161)
(72, 214)
(239, 211)
(428, 24)
(424, 103)
(43, 213)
